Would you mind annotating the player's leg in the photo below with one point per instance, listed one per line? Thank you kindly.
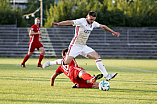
(67, 60)
(83, 84)
(90, 53)
(86, 76)
(82, 74)
(83, 79)
(49, 63)
(30, 52)
(41, 56)
(73, 51)
(26, 58)
(100, 66)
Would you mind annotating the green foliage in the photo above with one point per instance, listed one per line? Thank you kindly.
(118, 13)
(6, 14)
(10, 16)
(33, 5)
(130, 13)
(59, 12)
(136, 12)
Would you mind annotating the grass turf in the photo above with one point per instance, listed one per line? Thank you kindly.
(135, 83)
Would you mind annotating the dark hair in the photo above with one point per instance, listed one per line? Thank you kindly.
(63, 51)
(36, 18)
(92, 13)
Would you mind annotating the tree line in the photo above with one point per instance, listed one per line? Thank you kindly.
(126, 13)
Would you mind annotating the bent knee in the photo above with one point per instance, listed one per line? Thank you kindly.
(98, 57)
(43, 52)
(66, 62)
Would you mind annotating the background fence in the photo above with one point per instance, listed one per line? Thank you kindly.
(132, 43)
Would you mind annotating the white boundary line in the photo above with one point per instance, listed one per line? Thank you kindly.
(133, 69)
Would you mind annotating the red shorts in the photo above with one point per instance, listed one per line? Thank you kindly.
(34, 45)
(82, 84)
(73, 76)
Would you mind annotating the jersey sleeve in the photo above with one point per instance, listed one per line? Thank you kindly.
(77, 22)
(58, 71)
(73, 63)
(32, 28)
(96, 24)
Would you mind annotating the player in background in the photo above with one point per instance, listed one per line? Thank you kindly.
(34, 43)
(76, 74)
(83, 28)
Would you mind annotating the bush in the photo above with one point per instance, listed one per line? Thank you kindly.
(130, 13)
(9, 16)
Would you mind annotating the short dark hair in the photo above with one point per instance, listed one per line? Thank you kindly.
(63, 51)
(36, 18)
(92, 13)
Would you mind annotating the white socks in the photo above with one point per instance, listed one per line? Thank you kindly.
(56, 62)
(101, 67)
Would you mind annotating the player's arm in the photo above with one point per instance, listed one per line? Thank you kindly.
(69, 22)
(53, 78)
(104, 27)
(34, 33)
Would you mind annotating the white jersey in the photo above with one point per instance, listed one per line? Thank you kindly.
(82, 31)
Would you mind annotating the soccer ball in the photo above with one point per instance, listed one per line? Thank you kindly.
(104, 85)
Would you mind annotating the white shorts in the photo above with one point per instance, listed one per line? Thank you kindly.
(76, 49)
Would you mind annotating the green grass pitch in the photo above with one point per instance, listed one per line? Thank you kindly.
(136, 83)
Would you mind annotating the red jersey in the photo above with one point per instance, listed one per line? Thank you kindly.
(73, 63)
(35, 38)
(72, 70)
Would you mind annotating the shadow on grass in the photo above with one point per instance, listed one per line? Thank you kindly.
(31, 78)
(43, 101)
(132, 90)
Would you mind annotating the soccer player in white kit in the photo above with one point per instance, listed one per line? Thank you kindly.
(83, 28)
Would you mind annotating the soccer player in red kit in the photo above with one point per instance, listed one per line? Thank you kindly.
(76, 74)
(34, 43)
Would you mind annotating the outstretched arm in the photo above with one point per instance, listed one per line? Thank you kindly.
(64, 23)
(104, 27)
(53, 79)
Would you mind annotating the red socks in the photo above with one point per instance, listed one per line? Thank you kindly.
(86, 76)
(40, 58)
(25, 59)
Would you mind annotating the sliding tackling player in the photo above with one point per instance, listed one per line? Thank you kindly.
(76, 74)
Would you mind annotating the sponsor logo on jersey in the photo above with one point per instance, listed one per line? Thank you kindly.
(87, 31)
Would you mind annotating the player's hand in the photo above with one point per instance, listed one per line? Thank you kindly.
(116, 34)
(40, 37)
(54, 23)
(95, 85)
(39, 33)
